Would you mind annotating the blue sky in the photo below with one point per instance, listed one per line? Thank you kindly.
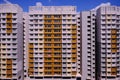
(81, 4)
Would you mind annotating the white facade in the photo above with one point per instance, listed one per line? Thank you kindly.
(11, 42)
(108, 42)
(87, 42)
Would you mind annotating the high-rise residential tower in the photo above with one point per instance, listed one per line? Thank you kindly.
(11, 42)
(52, 43)
(108, 43)
(87, 45)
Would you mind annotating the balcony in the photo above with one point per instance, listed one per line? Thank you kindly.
(113, 41)
(30, 73)
(9, 75)
(74, 46)
(74, 36)
(48, 46)
(74, 32)
(31, 65)
(113, 36)
(31, 60)
(74, 50)
(48, 55)
(48, 22)
(8, 71)
(74, 55)
(48, 70)
(113, 71)
(31, 69)
(9, 66)
(113, 31)
(8, 31)
(58, 65)
(57, 46)
(46, 60)
(47, 32)
(31, 50)
(57, 41)
(57, 70)
(48, 65)
(74, 73)
(57, 56)
(48, 50)
(74, 60)
(31, 55)
(48, 37)
(58, 60)
(59, 51)
(114, 50)
(57, 32)
(9, 61)
(60, 22)
(9, 15)
(113, 46)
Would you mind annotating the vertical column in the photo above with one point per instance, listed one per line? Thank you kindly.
(57, 49)
(113, 49)
(30, 59)
(74, 47)
(9, 68)
(9, 23)
(52, 45)
(8, 31)
(48, 46)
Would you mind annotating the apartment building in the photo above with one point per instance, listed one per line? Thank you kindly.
(11, 42)
(108, 43)
(52, 43)
(87, 44)
(59, 43)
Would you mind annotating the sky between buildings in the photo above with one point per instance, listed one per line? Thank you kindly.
(82, 5)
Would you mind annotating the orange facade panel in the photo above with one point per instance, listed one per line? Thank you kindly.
(114, 41)
(47, 65)
(114, 36)
(9, 75)
(52, 21)
(113, 31)
(30, 71)
(30, 65)
(114, 50)
(9, 68)
(57, 70)
(74, 45)
(74, 31)
(9, 28)
(30, 58)
(9, 31)
(9, 21)
(74, 36)
(114, 71)
(9, 15)
(74, 50)
(74, 73)
(113, 46)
